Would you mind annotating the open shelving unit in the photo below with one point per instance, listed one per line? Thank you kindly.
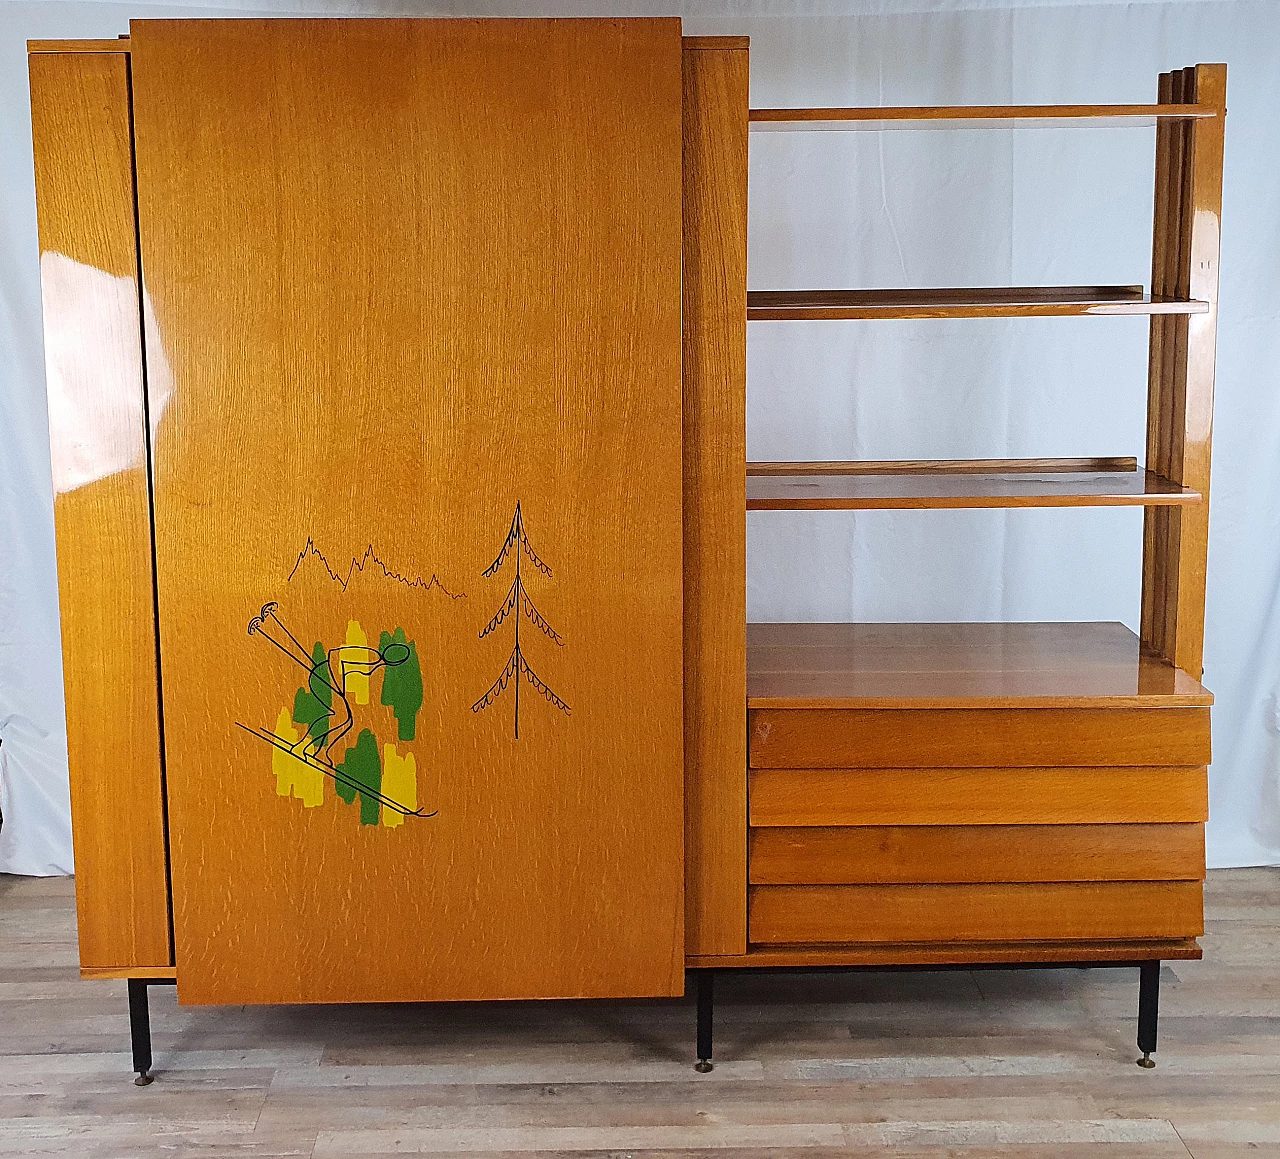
(925, 484)
(1181, 302)
(994, 793)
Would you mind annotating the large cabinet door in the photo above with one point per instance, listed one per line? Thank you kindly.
(97, 425)
(415, 376)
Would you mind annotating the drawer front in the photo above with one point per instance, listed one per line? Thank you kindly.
(1044, 796)
(844, 914)
(964, 737)
(913, 854)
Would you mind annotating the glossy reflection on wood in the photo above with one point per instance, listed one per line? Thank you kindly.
(800, 738)
(1050, 665)
(88, 266)
(1185, 249)
(971, 302)
(387, 259)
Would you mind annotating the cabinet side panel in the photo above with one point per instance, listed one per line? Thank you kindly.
(715, 353)
(93, 357)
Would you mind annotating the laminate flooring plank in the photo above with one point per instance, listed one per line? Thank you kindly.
(963, 1064)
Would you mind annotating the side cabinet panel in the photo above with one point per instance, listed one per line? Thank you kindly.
(715, 549)
(418, 503)
(88, 269)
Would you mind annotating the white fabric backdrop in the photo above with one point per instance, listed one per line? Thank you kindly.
(1002, 207)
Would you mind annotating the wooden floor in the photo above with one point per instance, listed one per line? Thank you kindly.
(965, 1063)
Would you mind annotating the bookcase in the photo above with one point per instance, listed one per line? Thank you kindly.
(321, 373)
(1007, 792)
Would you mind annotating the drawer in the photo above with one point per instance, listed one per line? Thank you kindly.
(1008, 796)
(800, 738)
(976, 853)
(841, 914)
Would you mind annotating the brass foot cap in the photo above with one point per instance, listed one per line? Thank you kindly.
(143, 1079)
(1147, 1062)
(703, 1065)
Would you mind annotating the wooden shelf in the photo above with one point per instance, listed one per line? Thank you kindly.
(931, 483)
(970, 117)
(942, 466)
(1058, 665)
(972, 302)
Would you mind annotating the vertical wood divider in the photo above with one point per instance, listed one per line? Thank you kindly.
(715, 565)
(1155, 523)
(1187, 217)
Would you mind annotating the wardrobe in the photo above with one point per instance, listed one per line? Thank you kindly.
(397, 387)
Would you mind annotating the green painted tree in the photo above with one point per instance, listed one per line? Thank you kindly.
(313, 705)
(361, 769)
(402, 685)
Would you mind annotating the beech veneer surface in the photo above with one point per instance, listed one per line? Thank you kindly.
(960, 1063)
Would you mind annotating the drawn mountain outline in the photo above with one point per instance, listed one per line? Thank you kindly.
(370, 558)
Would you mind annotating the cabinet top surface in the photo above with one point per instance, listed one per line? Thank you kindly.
(1048, 665)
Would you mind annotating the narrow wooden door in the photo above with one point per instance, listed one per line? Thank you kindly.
(415, 372)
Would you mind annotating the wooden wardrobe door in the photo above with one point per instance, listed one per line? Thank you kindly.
(418, 502)
(93, 360)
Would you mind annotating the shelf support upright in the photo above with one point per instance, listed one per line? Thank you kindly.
(1184, 264)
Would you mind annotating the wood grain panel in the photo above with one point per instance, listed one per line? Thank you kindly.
(811, 914)
(1053, 665)
(977, 853)
(1045, 796)
(962, 737)
(715, 530)
(956, 953)
(414, 276)
(93, 360)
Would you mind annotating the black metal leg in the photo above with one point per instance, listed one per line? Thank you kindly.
(1148, 1011)
(140, 1030)
(704, 981)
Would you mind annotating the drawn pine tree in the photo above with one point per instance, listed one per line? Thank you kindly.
(518, 604)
